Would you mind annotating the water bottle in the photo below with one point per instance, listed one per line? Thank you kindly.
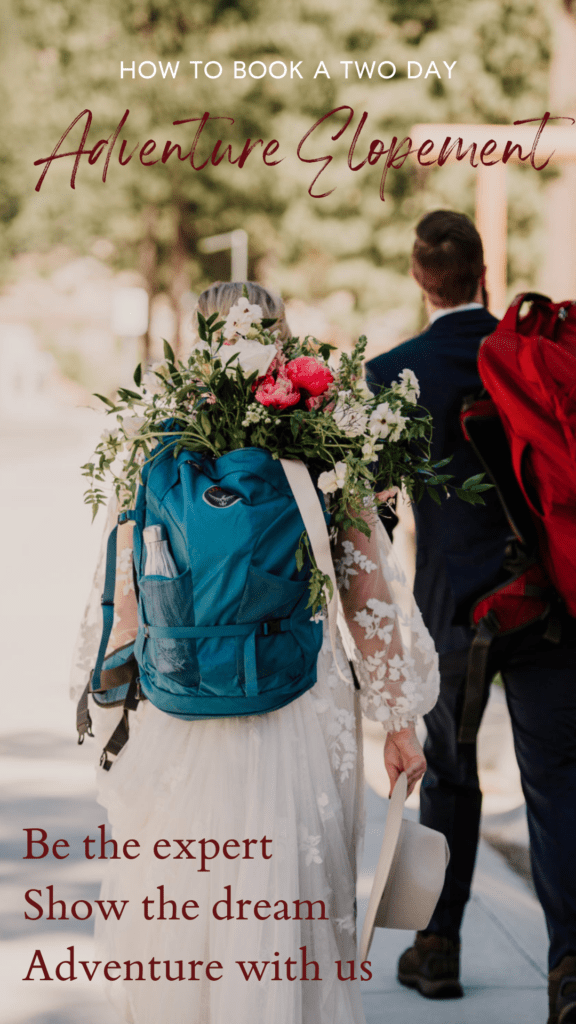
(159, 561)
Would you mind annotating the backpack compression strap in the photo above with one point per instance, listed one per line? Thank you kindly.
(107, 602)
(310, 509)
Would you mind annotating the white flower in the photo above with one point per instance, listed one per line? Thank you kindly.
(132, 424)
(151, 382)
(385, 422)
(109, 435)
(363, 390)
(254, 414)
(334, 479)
(319, 616)
(370, 449)
(241, 317)
(251, 356)
(350, 417)
(408, 386)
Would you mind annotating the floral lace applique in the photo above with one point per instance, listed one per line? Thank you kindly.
(343, 751)
(344, 566)
(342, 733)
(371, 617)
(393, 573)
(346, 924)
(325, 808)
(394, 656)
(321, 705)
(422, 639)
(309, 845)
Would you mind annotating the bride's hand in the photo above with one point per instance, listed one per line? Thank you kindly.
(403, 753)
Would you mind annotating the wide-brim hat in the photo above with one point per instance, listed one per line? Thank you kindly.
(409, 875)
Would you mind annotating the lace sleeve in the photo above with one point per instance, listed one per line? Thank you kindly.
(393, 653)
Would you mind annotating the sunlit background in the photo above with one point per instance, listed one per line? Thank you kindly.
(71, 259)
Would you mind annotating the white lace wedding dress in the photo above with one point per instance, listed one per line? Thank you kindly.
(293, 776)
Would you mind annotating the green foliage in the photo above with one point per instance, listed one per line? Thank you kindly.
(355, 444)
(320, 588)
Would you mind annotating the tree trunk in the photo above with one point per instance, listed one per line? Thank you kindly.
(179, 278)
(148, 265)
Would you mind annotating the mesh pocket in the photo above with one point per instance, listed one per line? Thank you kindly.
(169, 602)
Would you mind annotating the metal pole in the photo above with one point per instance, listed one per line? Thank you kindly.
(237, 242)
(239, 247)
(491, 221)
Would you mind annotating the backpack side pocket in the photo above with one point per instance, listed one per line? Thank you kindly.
(169, 663)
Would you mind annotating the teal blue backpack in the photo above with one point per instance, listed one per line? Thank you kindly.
(231, 633)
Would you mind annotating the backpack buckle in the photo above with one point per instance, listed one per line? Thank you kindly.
(272, 627)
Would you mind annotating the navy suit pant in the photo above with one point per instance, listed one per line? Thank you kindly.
(542, 706)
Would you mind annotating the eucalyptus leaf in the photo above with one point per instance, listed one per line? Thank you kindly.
(105, 400)
(126, 393)
(472, 481)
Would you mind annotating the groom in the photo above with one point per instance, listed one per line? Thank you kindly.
(460, 548)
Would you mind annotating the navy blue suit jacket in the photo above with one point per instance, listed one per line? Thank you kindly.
(460, 547)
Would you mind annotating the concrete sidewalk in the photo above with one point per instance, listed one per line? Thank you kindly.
(48, 557)
(504, 971)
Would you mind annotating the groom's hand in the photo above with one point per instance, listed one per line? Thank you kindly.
(403, 753)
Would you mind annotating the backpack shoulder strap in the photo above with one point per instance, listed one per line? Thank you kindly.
(511, 318)
(308, 502)
(83, 719)
(107, 599)
(107, 602)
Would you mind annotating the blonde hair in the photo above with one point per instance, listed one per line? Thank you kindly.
(219, 298)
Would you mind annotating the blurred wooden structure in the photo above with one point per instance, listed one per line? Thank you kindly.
(557, 273)
(559, 265)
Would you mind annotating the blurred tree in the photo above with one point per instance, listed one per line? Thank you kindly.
(10, 187)
(69, 56)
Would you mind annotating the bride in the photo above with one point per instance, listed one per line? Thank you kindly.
(232, 937)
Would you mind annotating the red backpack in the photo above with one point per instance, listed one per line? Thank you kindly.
(525, 436)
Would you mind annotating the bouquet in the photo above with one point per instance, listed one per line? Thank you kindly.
(243, 386)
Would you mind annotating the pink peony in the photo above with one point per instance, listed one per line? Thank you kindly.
(314, 402)
(280, 393)
(309, 373)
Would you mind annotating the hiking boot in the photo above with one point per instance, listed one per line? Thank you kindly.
(432, 965)
(562, 992)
